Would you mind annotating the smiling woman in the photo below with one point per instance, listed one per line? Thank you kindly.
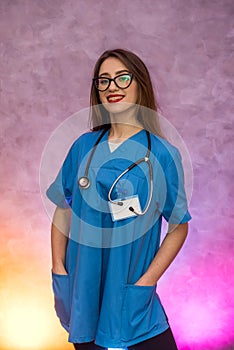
(106, 252)
(136, 90)
(118, 90)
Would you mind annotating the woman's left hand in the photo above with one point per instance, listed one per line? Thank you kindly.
(145, 281)
(167, 252)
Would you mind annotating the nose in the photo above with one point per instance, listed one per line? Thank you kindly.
(113, 86)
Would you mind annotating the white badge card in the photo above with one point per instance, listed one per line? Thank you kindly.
(120, 212)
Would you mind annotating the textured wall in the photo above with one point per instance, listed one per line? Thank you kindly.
(48, 49)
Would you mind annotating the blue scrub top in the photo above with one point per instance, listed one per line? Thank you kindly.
(98, 300)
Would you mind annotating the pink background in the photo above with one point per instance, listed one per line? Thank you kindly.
(48, 50)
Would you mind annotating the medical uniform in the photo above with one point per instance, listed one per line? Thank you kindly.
(98, 300)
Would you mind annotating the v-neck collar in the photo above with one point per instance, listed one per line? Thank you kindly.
(122, 144)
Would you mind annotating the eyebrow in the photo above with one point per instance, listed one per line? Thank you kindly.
(116, 73)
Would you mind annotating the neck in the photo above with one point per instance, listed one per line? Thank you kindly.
(123, 131)
(124, 125)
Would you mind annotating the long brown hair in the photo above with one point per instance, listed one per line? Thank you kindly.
(100, 118)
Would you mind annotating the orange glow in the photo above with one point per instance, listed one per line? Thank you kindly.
(26, 323)
(27, 316)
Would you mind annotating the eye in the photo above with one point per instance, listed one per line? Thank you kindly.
(103, 81)
(124, 78)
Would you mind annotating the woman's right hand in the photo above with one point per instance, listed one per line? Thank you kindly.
(59, 270)
(59, 239)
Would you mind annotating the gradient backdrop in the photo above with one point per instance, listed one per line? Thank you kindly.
(48, 49)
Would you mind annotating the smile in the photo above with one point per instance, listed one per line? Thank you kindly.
(114, 98)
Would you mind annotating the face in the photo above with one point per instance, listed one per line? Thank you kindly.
(116, 99)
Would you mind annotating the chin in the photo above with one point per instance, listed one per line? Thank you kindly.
(119, 107)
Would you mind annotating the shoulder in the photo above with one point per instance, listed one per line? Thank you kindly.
(163, 150)
(90, 135)
(85, 140)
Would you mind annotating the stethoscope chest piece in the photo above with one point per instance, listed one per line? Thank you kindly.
(84, 182)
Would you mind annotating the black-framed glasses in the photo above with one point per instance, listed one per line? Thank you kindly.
(122, 81)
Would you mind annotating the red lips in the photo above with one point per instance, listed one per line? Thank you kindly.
(113, 98)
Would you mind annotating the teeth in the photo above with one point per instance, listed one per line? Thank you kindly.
(114, 98)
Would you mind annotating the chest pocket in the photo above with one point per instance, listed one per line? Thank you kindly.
(134, 182)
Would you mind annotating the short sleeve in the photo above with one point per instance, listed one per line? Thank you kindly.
(175, 209)
(60, 191)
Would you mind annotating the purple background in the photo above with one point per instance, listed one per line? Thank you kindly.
(48, 50)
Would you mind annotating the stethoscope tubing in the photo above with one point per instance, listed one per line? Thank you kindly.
(86, 183)
(83, 181)
(145, 159)
(92, 153)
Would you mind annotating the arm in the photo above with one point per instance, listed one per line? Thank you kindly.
(59, 236)
(167, 252)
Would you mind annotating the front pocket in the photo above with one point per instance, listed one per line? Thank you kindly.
(61, 291)
(142, 312)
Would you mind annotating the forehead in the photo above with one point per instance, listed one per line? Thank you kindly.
(112, 65)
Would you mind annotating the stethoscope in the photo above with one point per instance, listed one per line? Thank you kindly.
(84, 181)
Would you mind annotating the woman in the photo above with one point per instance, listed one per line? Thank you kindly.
(106, 252)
